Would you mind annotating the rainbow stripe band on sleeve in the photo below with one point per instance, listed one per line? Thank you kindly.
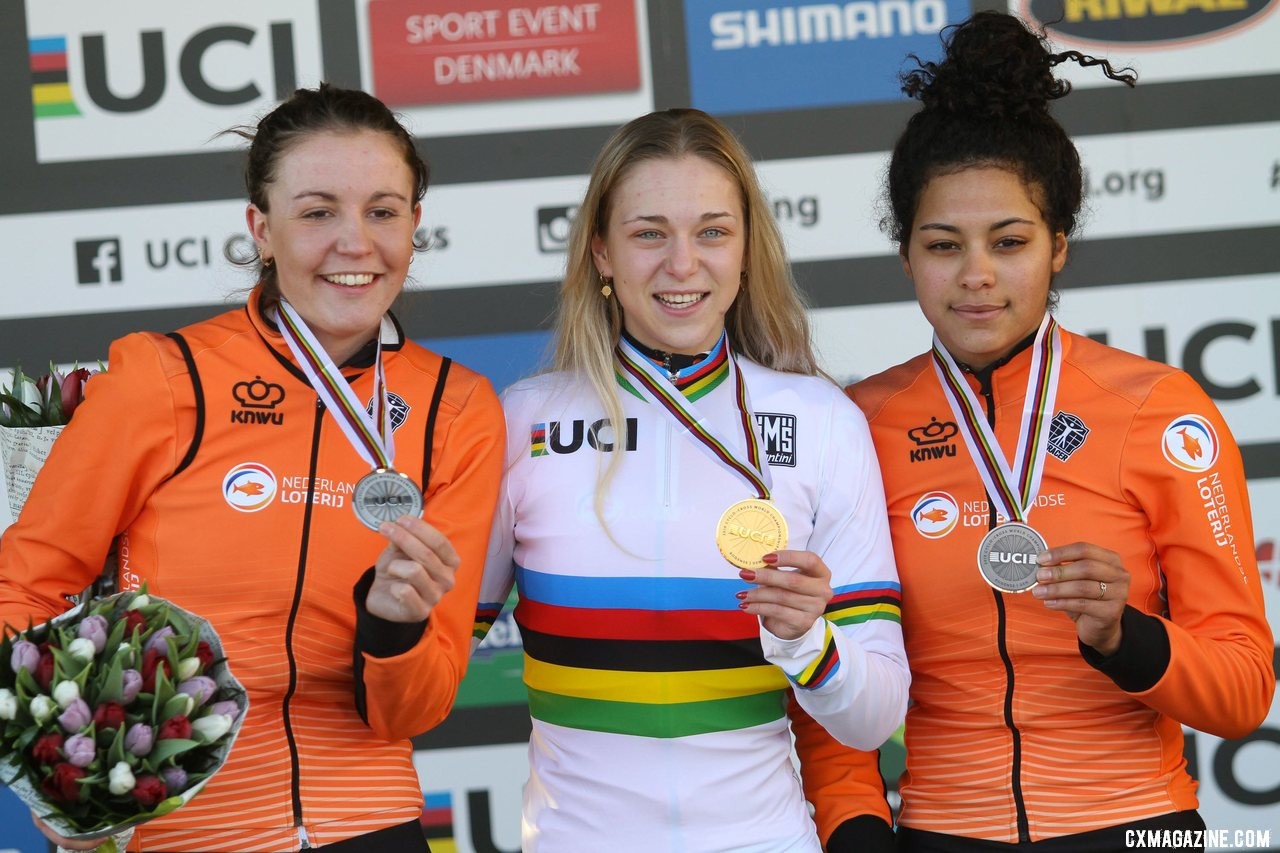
(823, 667)
(861, 602)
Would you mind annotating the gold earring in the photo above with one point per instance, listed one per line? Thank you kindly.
(606, 289)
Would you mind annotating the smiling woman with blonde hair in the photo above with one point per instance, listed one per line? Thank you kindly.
(693, 518)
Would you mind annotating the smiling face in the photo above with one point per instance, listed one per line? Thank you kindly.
(674, 247)
(339, 228)
(981, 257)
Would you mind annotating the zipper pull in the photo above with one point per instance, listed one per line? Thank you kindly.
(303, 840)
(666, 363)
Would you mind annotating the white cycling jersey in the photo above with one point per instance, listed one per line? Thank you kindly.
(660, 708)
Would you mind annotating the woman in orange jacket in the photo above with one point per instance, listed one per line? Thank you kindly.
(228, 458)
(1077, 565)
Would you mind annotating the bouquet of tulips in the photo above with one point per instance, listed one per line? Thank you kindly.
(47, 400)
(114, 713)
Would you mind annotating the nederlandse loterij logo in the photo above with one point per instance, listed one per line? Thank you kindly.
(1190, 443)
(935, 514)
(249, 486)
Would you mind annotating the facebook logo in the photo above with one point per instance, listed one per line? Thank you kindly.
(98, 261)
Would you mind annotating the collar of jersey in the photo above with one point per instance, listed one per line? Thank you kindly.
(698, 379)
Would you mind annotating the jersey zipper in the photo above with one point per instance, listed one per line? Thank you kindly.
(1024, 829)
(295, 783)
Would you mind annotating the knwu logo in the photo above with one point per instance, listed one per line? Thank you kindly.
(52, 93)
(257, 399)
(567, 436)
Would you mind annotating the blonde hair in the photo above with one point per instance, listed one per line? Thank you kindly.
(767, 321)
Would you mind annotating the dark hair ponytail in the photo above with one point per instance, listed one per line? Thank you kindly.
(987, 103)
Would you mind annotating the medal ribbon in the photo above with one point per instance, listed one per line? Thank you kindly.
(1013, 491)
(687, 415)
(375, 445)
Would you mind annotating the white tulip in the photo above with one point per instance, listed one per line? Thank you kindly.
(42, 708)
(8, 704)
(120, 780)
(212, 727)
(82, 649)
(65, 692)
(139, 601)
(187, 668)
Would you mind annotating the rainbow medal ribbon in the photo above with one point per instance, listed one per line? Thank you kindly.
(752, 527)
(1007, 554)
(384, 494)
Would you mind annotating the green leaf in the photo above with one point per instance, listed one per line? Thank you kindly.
(176, 705)
(168, 748)
(27, 686)
(111, 686)
(116, 637)
(65, 665)
(164, 692)
(115, 753)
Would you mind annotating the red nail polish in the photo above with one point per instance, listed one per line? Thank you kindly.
(740, 595)
(747, 575)
(770, 558)
(743, 606)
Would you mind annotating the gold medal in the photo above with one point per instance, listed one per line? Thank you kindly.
(750, 529)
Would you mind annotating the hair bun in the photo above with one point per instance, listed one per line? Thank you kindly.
(994, 66)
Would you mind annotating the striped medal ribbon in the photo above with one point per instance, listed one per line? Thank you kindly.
(750, 528)
(384, 494)
(1006, 555)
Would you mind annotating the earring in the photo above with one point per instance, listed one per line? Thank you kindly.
(268, 263)
(606, 287)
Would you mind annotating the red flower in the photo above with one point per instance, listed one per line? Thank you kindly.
(73, 390)
(133, 620)
(152, 660)
(47, 749)
(204, 654)
(61, 784)
(150, 790)
(175, 727)
(44, 670)
(108, 715)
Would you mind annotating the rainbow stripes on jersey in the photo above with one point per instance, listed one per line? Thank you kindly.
(591, 661)
(695, 381)
(860, 602)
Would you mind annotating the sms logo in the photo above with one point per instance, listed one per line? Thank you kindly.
(1190, 443)
(249, 487)
(935, 515)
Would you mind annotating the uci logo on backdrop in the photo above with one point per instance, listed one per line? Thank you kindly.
(161, 78)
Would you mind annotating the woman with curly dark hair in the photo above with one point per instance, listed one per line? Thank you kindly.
(1078, 578)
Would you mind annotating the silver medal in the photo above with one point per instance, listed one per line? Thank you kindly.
(385, 495)
(1007, 556)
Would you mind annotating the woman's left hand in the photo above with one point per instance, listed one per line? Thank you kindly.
(413, 573)
(788, 602)
(1089, 584)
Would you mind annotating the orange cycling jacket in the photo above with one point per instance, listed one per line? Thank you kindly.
(230, 486)
(1016, 732)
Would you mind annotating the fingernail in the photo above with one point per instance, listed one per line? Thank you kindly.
(743, 606)
(1042, 558)
(1044, 575)
(747, 575)
(1039, 592)
(740, 595)
(770, 558)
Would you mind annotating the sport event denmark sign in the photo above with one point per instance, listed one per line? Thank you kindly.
(426, 52)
